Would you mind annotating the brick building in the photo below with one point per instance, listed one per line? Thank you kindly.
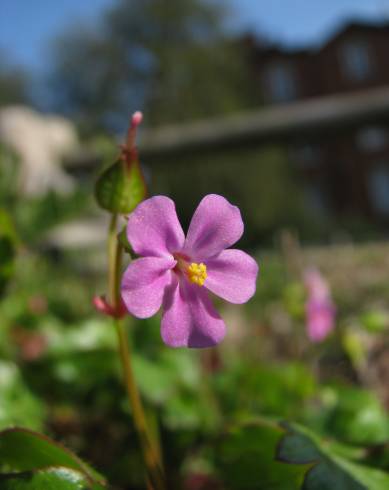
(347, 174)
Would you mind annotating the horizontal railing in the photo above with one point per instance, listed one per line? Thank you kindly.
(306, 118)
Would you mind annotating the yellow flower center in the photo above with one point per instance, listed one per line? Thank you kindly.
(197, 273)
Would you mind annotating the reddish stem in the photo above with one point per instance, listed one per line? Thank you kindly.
(129, 150)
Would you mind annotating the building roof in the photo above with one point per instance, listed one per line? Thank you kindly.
(345, 28)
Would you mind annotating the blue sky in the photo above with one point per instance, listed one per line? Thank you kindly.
(27, 26)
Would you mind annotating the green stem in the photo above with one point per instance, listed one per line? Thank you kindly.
(150, 451)
(114, 259)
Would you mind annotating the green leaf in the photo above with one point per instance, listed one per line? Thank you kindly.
(121, 187)
(8, 242)
(325, 473)
(265, 387)
(269, 456)
(18, 405)
(157, 382)
(375, 321)
(22, 450)
(358, 417)
(246, 458)
(54, 478)
(331, 470)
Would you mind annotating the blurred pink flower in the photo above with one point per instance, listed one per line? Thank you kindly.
(320, 309)
(173, 269)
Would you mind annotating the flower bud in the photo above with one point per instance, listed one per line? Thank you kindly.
(121, 187)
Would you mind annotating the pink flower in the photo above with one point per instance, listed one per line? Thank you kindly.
(320, 310)
(177, 272)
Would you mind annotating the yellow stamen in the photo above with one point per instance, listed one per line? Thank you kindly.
(197, 273)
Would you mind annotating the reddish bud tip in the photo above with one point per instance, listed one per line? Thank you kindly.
(102, 306)
(129, 147)
(136, 119)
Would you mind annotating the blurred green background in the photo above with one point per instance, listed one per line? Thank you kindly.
(267, 409)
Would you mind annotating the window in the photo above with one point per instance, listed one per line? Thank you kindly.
(378, 185)
(280, 82)
(356, 61)
(372, 139)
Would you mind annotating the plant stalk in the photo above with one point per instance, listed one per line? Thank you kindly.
(151, 454)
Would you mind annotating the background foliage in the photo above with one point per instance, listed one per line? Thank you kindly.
(267, 409)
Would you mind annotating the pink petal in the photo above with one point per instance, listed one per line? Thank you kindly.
(320, 320)
(232, 275)
(317, 286)
(143, 285)
(189, 319)
(216, 225)
(153, 228)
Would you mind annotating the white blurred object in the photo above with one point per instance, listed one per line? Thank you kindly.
(40, 142)
(79, 234)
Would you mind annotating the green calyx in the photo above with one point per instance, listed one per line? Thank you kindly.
(121, 187)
